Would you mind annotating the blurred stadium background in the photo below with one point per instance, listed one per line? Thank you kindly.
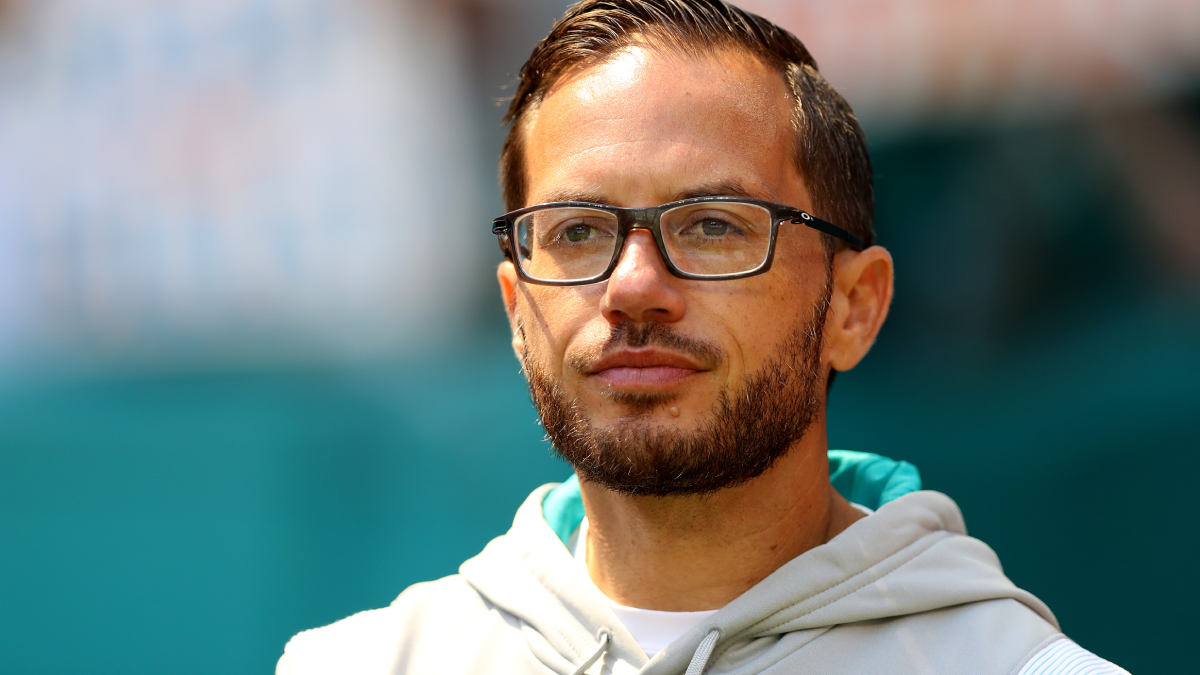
(254, 375)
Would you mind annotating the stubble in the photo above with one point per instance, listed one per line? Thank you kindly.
(749, 427)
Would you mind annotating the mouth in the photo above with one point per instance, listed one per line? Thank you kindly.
(645, 370)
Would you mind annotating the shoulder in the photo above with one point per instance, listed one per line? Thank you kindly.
(1064, 657)
(991, 636)
(1002, 635)
(373, 641)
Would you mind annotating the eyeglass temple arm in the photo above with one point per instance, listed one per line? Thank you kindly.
(802, 218)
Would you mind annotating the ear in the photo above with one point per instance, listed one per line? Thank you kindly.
(862, 293)
(506, 274)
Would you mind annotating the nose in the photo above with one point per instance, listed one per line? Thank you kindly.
(641, 288)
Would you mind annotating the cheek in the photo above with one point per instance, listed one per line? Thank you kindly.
(802, 269)
(763, 321)
(772, 307)
(552, 318)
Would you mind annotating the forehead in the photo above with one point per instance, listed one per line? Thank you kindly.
(648, 124)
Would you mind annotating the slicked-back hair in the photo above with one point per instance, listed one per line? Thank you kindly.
(829, 147)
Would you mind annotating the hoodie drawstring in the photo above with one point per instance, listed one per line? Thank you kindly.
(696, 667)
(703, 652)
(605, 636)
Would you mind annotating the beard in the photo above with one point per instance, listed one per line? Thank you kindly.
(748, 429)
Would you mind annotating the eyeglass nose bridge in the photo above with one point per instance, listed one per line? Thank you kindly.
(642, 219)
(646, 219)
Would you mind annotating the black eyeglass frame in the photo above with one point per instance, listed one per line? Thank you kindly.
(649, 219)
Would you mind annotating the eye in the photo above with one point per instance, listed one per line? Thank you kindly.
(713, 228)
(579, 232)
(572, 229)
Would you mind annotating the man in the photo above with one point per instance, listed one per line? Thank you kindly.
(690, 258)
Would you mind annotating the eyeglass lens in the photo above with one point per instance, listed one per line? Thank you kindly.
(563, 244)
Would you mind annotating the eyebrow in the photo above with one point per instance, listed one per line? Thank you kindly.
(720, 188)
(576, 196)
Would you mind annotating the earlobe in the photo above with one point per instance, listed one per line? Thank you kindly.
(506, 274)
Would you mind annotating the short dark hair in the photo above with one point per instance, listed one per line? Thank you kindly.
(830, 149)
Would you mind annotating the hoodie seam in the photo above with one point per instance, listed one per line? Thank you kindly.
(847, 581)
(1024, 660)
(521, 624)
(578, 631)
(553, 629)
(562, 636)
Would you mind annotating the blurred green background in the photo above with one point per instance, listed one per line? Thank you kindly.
(1040, 366)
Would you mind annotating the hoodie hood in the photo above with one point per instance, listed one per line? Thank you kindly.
(912, 555)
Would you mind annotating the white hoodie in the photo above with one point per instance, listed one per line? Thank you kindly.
(902, 591)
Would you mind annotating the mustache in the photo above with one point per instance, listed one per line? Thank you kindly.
(630, 334)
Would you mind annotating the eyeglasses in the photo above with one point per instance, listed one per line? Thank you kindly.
(710, 238)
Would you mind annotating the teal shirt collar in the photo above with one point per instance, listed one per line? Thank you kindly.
(861, 477)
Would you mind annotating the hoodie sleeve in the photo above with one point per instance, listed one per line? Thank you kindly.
(1064, 657)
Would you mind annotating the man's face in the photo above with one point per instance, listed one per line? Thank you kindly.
(646, 354)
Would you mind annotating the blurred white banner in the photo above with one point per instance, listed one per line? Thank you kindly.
(231, 178)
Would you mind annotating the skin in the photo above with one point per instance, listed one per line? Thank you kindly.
(646, 127)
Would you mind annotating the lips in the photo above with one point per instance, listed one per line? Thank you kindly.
(644, 369)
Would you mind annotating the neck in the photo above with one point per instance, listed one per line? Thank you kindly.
(693, 553)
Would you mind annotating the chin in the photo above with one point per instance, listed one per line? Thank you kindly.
(652, 414)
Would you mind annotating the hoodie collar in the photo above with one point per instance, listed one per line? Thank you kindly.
(911, 556)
